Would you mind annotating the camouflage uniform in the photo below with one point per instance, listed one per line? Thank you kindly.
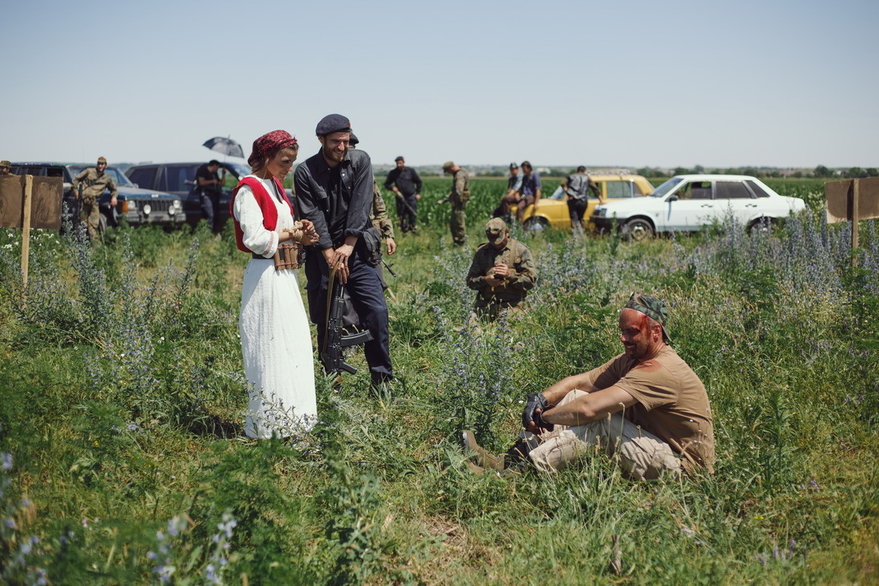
(380, 218)
(459, 197)
(492, 300)
(381, 222)
(94, 184)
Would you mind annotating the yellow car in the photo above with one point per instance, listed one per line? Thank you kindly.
(553, 211)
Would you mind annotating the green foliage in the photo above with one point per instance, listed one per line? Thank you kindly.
(121, 400)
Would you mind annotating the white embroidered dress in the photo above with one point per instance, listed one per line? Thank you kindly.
(275, 335)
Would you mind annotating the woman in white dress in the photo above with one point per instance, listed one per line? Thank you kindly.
(275, 335)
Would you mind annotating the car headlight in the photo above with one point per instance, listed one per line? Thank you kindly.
(147, 209)
(130, 206)
(600, 212)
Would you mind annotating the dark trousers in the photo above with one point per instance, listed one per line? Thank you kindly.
(210, 207)
(365, 290)
(407, 208)
(576, 208)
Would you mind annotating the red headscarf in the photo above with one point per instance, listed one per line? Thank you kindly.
(269, 144)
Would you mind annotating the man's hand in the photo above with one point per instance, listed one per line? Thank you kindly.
(532, 421)
(340, 261)
(392, 245)
(113, 201)
(417, 196)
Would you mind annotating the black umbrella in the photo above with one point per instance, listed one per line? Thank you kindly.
(225, 146)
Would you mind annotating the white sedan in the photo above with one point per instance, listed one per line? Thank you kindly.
(686, 203)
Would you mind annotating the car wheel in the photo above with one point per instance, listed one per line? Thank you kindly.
(638, 230)
(761, 226)
(536, 224)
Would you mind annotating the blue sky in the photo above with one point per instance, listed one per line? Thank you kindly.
(626, 83)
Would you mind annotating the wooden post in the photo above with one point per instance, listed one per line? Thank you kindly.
(856, 195)
(26, 227)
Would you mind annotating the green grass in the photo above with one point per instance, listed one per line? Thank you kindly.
(121, 400)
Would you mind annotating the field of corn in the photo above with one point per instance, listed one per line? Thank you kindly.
(122, 457)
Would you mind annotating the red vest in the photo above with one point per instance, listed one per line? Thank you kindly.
(266, 205)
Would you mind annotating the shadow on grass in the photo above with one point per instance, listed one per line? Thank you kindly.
(214, 425)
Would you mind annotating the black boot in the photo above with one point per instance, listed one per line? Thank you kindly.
(517, 456)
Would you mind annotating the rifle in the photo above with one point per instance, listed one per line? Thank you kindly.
(388, 267)
(405, 203)
(335, 337)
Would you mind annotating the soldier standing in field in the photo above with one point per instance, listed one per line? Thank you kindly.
(89, 185)
(458, 197)
(502, 272)
(406, 185)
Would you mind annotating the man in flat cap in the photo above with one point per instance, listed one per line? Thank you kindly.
(645, 407)
(502, 272)
(406, 185)
(334, 189)
(88, 186)
(458, 197)
(5, 168)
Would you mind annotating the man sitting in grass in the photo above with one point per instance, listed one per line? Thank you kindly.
(645, 407)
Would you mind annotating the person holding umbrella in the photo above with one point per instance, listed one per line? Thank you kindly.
(275, 335)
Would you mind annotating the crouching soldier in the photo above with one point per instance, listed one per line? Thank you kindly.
(502, 272)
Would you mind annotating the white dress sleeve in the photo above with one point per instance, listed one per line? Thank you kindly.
(249, 215)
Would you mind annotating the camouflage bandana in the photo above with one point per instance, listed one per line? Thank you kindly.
(652, 307)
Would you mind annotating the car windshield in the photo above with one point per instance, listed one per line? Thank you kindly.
(117, 175)
(240, 169)
(666, 187)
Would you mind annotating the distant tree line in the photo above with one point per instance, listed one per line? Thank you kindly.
(819, 172)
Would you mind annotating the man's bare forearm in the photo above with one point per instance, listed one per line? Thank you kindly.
(557, 392)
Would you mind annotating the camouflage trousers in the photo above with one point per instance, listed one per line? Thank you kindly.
(491, 309)
(641, 454)
(458, 225)
(90, 215)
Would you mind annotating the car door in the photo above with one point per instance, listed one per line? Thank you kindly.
(735, 201)
(689, 207)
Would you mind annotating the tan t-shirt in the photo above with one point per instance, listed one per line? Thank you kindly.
(672, 402)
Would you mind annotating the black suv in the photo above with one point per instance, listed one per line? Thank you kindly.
(137, 206)
(179, 179)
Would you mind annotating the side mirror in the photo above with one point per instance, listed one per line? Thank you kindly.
(672, 198)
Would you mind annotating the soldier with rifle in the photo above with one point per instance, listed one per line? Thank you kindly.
(334, 190)
(406, 185)
(458, 197)
(88, 186)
